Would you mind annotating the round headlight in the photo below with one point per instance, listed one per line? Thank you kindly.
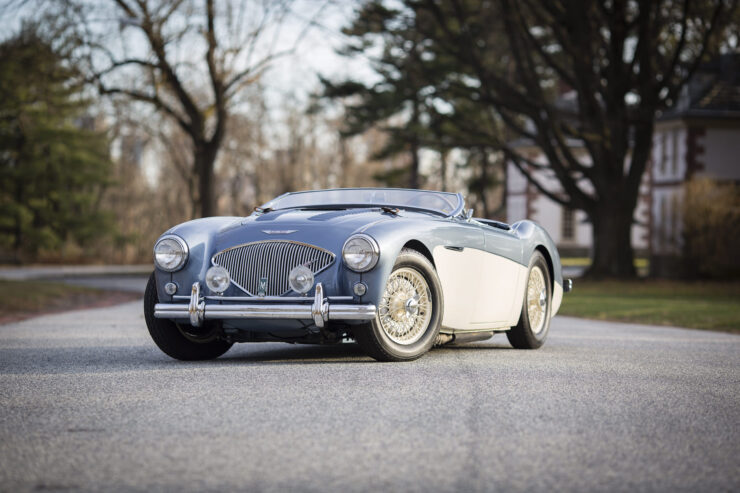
(217, 279)
(360, 253)
(301, 279)
(170, 253)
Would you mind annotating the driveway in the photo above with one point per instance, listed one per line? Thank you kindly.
(87, 402)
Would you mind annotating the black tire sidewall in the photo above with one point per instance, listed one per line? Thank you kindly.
(168, 337)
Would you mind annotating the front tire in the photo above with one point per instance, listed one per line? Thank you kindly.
(173, 339)
(534, 321)
(409, 312)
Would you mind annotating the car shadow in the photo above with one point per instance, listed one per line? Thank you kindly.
(465, 346)
(281, 353)
(111, 359)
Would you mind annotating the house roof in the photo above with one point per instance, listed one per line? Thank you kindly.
(712, 92)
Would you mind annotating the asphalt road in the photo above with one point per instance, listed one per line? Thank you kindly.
(88, 403)
(131, 283)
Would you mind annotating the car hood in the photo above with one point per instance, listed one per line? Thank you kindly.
(327, 229)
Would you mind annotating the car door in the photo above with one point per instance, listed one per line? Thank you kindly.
(501, 280)
(457, 260)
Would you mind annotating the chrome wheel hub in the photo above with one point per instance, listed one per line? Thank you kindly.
(536, 300)
(405, 308)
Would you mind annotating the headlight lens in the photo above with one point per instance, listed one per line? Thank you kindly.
(170, 253)
(301, 279)
(360, 253)
(217, 279)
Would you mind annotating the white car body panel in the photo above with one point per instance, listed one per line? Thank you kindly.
(481, 290)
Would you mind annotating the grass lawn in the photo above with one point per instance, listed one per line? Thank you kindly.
(24, 299)
(700, 305)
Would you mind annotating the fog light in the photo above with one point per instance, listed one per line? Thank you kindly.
(360, 289)
(301, 279)
(217, 279)
(170, 288)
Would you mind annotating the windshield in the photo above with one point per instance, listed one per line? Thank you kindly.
(440, 202)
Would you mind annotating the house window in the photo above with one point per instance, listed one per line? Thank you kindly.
(663, 225)
(676, 223)
(568, 224)
(663, 150)
(674, 161)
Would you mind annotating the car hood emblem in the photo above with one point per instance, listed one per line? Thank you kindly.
(279, 231)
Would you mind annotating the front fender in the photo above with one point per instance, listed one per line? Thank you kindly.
(429, 232)
(535, 237)
(199, 235)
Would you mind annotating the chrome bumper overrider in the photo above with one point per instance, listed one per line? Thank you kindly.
(320, 311)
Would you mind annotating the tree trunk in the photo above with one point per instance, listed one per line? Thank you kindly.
(414, 174)
(612, 246)
(205, 157)
(414, 171)
(484, 163)
(443, 169)
(18, 226)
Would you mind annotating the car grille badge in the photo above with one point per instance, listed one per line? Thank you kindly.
(262, 288)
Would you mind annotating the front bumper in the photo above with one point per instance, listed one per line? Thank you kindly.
(321, 310)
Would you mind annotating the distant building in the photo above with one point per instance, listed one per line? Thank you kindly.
(700, 136)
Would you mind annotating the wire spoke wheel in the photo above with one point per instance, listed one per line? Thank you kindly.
(536, 300)
(409, 313)
(405, 308)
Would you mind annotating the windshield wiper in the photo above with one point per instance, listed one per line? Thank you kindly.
(263, 210)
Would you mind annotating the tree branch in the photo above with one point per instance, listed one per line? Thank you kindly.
(147, 98)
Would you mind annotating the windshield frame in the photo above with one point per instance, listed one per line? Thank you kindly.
(354, 205)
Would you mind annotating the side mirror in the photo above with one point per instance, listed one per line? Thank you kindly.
(468, 214)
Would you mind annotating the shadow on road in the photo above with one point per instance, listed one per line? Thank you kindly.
(282, 353)
(111, 359)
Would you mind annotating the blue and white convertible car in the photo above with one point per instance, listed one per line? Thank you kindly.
(398, 271)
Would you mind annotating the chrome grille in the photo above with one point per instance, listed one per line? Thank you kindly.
(271, 259)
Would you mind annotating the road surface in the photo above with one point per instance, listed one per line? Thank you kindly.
(88, 403)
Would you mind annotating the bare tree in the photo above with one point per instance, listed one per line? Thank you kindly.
(189, 60)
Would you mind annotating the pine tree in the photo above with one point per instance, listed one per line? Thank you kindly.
(399, 102)
(54, 164)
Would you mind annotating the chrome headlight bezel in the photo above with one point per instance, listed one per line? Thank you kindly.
(373, 248)
(184, 249)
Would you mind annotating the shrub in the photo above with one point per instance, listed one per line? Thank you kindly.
(711, 213)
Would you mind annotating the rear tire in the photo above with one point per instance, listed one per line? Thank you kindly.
(534, 321)
(170, 337)
(412, 311)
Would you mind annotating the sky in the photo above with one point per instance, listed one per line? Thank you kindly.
(298, 74)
